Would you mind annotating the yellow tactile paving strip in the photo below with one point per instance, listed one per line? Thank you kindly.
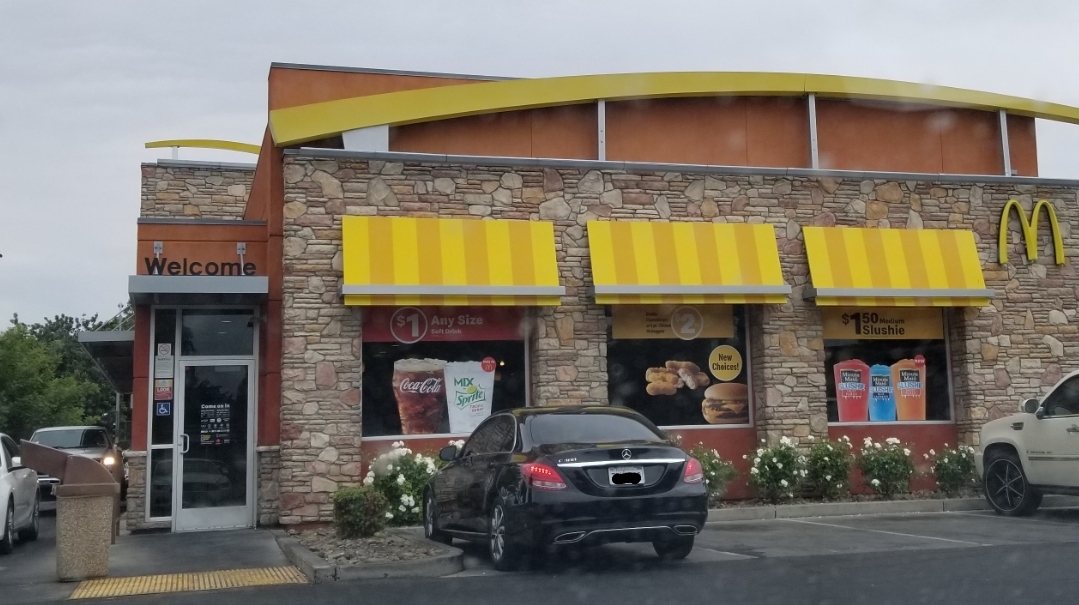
(187, 582)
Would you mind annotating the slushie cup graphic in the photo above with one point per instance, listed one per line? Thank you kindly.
(469, 392)
(881, 394)
(908, 378)
(852, 390)
(419, 385)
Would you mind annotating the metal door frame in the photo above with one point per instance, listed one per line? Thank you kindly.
(202, 519)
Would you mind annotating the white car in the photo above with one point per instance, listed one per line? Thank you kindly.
(1034, 452)
(20, 504)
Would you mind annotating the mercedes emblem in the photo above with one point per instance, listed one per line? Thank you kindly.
(626, 454)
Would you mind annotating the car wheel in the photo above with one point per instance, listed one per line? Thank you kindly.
(30, 532)
(7, 540)
(1007, 488)
(430, 521)
(670, 550)
(504, 552)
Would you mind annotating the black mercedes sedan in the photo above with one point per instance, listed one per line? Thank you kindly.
(533, 478)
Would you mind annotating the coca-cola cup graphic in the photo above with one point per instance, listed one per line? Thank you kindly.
(419, 385)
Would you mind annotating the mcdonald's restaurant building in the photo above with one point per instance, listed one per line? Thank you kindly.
(737, 256)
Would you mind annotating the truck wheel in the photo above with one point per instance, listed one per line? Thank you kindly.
(1007, 488)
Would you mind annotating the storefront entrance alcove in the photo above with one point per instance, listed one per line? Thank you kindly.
(202, 421)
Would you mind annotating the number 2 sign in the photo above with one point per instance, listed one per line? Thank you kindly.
(687, 323)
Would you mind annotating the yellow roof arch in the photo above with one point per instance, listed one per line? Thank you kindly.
(206, 144)
(295, 125)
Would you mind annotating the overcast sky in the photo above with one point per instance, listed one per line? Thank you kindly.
(84, 84)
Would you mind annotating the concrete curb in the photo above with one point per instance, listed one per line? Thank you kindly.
(836, 509)
(318, 571)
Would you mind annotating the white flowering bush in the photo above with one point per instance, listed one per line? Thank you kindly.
(886, 467)
(954, 469)
(717, 471)
(828, 467)
(776, 471)
(400, 476)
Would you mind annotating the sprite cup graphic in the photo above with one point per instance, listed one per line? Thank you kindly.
(469, 393)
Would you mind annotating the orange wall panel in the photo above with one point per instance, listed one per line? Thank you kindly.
(864, 136)
(1023, 145)
(508, 133)
(569, 131)
(970, 141)
(777, 132)
(706, 130)
(291, 87)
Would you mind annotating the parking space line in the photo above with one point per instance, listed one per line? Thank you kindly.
(725, 552)
(990, 515)
(882, 531)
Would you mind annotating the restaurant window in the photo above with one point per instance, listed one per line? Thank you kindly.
(440, 370)
(680, 365)
(886, 365)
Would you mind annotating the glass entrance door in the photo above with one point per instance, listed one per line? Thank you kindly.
(214, 482)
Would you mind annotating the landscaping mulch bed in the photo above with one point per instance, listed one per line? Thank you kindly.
(383, 547)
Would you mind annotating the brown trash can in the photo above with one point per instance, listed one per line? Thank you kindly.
(87, 510)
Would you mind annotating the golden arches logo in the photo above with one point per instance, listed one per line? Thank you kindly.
(1030, 230)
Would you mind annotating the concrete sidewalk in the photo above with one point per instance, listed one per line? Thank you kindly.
(29, 574)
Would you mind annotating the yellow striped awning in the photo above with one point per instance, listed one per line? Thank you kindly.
(894, 268)
(448, 262)
(689, 263)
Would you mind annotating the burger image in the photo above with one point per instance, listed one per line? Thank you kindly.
(726, 403)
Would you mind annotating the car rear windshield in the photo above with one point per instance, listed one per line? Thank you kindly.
(70, 438)
(588, 428)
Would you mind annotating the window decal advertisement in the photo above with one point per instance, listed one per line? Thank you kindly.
(884, 365)
(440, 370)
(675, 380)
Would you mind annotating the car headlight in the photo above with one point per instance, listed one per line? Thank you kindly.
(108, 460)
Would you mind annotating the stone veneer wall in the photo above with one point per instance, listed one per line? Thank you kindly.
(268, 459)
(195, 190)
(134, 517)
(1000, 354)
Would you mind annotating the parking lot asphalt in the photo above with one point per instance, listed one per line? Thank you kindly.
(817, 536)
(783, 558)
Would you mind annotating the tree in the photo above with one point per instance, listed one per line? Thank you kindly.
(32, 394)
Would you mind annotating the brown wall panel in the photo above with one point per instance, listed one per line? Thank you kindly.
(292, 87)
(707, 130)
(777, 132)
(568, 131)
(970, 141)
(1023, 145)
(507, 133)
(861, 136)
(140, 372)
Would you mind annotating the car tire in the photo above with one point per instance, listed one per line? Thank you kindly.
(431, 529)
(30, 532)
(1006, 487)
(505, 553)
(672, 550)
(7, 539)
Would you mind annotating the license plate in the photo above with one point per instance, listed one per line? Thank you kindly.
(625, 475)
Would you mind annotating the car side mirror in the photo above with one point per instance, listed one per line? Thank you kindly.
(16, 463)
(448, 453)
(1030, 406)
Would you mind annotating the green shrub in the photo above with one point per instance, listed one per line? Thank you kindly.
(777, 471)
(358, 512)
(717, 471)
(886, 468)
(400, 476)
(828, 467)
(954, 469)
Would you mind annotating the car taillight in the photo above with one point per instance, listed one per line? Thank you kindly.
(694, 473)
(542, 476)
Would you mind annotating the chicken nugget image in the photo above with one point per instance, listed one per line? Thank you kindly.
(702, 379)
(661, 388)
(688, 366)
(658, 375)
